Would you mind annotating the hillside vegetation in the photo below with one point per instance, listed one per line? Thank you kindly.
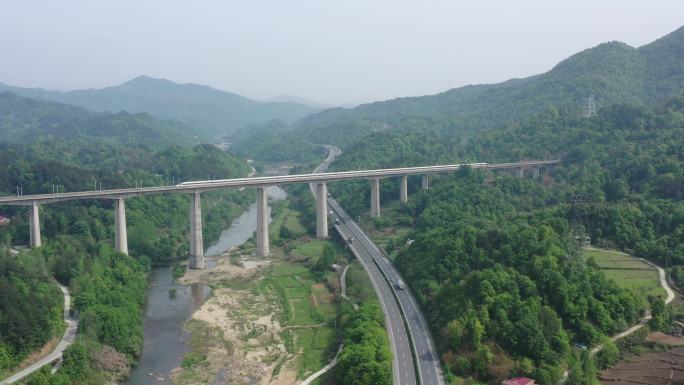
(494, 260)
(210, 112)
(108, 288)
(612, 72)
(25, 120)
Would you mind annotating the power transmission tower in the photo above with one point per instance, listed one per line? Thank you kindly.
(578, 233)
(590, 109)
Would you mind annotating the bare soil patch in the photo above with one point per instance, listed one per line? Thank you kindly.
(665, 339)
(648, 369)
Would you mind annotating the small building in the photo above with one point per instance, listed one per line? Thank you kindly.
(518, 381)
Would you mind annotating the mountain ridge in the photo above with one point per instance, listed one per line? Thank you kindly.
(26, 120)
(612, 72)
(212, 112)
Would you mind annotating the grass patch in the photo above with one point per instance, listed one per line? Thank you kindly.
(628, 272)
(312, 249)
(315, 343)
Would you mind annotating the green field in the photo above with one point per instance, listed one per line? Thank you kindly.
(309, 312)
(627, 271)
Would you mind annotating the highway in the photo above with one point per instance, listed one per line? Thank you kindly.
(403, 370)
(375, 263)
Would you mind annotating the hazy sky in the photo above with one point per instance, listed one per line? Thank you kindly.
(328, 51)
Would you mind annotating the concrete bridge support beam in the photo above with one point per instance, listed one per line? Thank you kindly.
(321, 211)
(535, 172)
(262, 246)
(196, 238)
(424, 182)
(520, 172)
(120, 232)
(403, 189)
(375, 198)
(34, 223)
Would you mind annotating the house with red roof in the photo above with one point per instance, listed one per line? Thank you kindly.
(518, 381)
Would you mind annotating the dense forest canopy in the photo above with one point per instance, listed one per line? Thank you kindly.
(494, 259)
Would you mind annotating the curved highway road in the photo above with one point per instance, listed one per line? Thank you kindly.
(378, 267)
(403, 370)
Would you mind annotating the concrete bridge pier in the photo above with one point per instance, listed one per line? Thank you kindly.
(520, 171)
(321, 211)
(34, 229)
(403, 189)
(424, 182)
(262, 246)
(120, 232)
(535, 172)
(375, 198)
(196, 239)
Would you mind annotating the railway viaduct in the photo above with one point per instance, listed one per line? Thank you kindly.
(195, 189)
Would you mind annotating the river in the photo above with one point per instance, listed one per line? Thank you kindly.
(165, 341)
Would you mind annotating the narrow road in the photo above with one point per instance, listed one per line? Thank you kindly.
(67, 339)
(647, 317)
(319, 373)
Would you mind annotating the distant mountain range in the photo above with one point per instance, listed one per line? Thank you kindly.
(298, 100)
(611, 72)
(210, 111)
(26, 120)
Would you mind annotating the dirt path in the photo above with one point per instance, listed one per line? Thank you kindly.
(67, 339)
(647, 317)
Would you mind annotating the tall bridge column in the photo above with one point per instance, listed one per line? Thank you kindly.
(196, 239)
(535, 172)
(424, 182)
(321, 211)
(120, 232)
(403, 189)
(520, 171)
(262, 246)
(34, 229)
(375, 198)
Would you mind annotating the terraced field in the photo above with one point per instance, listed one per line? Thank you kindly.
(627, 271)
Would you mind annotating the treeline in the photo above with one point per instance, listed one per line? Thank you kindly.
(31, 306)
(108, 291)
(365, 358)
(270, 142)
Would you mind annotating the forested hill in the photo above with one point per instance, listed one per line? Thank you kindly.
(494, 261)
(25, 120)
(108, 288)
(612, 72)
(210, 111)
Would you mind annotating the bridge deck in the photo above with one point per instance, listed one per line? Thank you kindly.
(208, 185)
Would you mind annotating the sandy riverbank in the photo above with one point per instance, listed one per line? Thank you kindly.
(245, 318)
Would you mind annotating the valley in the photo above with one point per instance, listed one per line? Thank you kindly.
(529, 231)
